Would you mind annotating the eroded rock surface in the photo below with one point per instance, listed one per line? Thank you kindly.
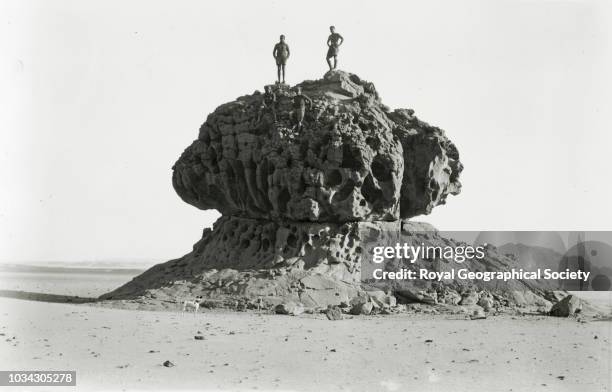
(246, 263)
(354, 160)
(302, 207)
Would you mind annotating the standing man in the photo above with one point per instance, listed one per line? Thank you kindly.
(268, 103)
(299, 104)
(333, 43)
(281, 54)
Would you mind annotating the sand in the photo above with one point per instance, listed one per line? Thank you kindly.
(115, 349)
(71, 281)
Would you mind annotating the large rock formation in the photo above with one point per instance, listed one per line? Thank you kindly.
(300, 206)
(354, 160)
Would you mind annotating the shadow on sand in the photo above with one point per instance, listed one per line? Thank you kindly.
(42, 297)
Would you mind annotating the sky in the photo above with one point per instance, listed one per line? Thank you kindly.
(99, 98)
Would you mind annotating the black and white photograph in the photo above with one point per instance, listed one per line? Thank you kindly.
(338, 195)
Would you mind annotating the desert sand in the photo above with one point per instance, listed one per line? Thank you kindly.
(114, 349)
(118, 349)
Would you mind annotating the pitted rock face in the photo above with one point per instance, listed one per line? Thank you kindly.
(302, 208)
(353, 160)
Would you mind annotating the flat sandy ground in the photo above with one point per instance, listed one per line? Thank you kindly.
(65, 281)
(115, 349)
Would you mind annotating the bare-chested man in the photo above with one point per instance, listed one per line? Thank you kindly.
(333, 43)
(268, 103)
(299, 104)
(281, 54)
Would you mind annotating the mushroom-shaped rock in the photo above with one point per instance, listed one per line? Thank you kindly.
(352, 159)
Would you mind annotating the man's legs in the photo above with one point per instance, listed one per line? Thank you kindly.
(335, 61)
(278, 72)
(329, 63)
(283, 68)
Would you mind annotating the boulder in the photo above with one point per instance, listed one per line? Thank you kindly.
(486, 303)
(478, 314)
(410, 294)
(428, 297)
(568, 306)
(449, 297)
(555, 296)
(289, 308)
(363, 308)
(334, 313)
(469, 298)
(380, 299)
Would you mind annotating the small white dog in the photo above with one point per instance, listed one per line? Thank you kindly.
(192, 304)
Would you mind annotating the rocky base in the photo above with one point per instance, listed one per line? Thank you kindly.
(304, 201)
(314, 266)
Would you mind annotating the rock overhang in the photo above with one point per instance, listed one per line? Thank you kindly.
(353, 160)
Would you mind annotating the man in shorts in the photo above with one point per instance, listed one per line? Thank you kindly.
(300, 101)
(281, 54)
(333, 43)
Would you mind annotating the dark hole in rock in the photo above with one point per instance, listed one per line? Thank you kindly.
(351, 158)
(434, 194)
(381, 168)
(333, 178)
(283, 199)
(362, 203)
(369, 190)
(373, 142)
(292, 241)
(245, 244)
(434, 189)
(265, 244)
